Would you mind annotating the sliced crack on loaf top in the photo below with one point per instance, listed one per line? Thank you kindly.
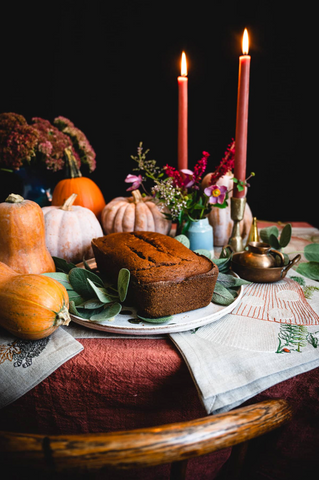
(149, 256)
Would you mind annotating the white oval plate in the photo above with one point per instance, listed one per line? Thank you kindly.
(121, 324)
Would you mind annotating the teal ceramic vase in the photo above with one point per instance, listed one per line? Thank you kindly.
(200, 235)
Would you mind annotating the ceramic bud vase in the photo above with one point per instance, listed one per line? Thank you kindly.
(200, 235)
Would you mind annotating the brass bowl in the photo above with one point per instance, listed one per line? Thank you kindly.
(259, 274)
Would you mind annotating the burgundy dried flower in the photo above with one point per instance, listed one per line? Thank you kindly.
(226, 165)
(175, 175)
(49, 134)
(200, 167)
(18, 141)
(188, 178)
(80, 142)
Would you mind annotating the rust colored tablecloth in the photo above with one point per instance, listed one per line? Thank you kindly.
(126, 383)
(119, 383)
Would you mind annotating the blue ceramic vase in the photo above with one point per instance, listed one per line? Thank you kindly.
(200, 235)
(37, 185)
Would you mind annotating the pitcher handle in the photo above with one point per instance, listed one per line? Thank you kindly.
(292, 262)
(281, 255)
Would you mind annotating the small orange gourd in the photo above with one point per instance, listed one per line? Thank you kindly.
(22, 236)
(136, 213)
(31, 306)
(88, 193)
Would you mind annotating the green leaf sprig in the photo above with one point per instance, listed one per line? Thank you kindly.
(227, 285)
(271, 236)
(89, 296)
(310, 269)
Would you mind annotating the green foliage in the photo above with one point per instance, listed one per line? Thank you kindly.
(227, 285)
(310, 269)
(183, 239)
(311, 252)
(271, 236)
(89, 296)
(156, 320)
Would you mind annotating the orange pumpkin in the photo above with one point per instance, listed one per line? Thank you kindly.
(136, 213)
(22, 236)
(31, 306)
(88, 193)
(220, 218)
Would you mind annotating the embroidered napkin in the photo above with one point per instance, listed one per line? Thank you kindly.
(25, 363)
(270, 336)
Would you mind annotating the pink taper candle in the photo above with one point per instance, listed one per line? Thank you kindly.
(182, 145)
(242, 116)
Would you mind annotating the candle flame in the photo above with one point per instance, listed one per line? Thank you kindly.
(183, 65)
(245, 45)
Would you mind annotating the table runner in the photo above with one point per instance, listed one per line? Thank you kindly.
(272, 335)
(25, 363)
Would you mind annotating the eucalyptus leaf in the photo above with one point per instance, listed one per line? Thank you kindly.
(62, 265)
(75, 297)
(86, 265)
(156, 320)
(183, 239)
(286, 258)
(123, 281)
(265, 233)
(204, 252)
(101, 293)
(230, 281)
(61, 277)
(222, 296)
(274, 242)
(91, 304)
(285, 235)
(73, 309)
(223, 264)
(87, 314)
(82, 313)
(108, 313)
(311, 252)
(309, 270)
(78, 278)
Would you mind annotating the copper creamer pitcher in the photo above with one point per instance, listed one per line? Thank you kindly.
(261, 255)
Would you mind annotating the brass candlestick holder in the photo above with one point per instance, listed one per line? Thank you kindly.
(237, 210)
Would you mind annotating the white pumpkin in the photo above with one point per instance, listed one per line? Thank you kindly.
(220, 218)
(69, 230)
(136, 213)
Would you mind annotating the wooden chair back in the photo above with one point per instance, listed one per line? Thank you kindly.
(172, 443)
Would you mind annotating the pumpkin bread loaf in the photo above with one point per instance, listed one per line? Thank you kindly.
(166, 277)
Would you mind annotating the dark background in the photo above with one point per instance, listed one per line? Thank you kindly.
(112, 68)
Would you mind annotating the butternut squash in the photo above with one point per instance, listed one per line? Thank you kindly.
(22, 236)
(31, 306)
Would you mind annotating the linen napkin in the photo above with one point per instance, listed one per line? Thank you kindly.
(25, 363)
(270, 336)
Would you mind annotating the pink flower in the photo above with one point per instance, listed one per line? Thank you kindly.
(136, 181)
(187, 179)
(216, 194)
